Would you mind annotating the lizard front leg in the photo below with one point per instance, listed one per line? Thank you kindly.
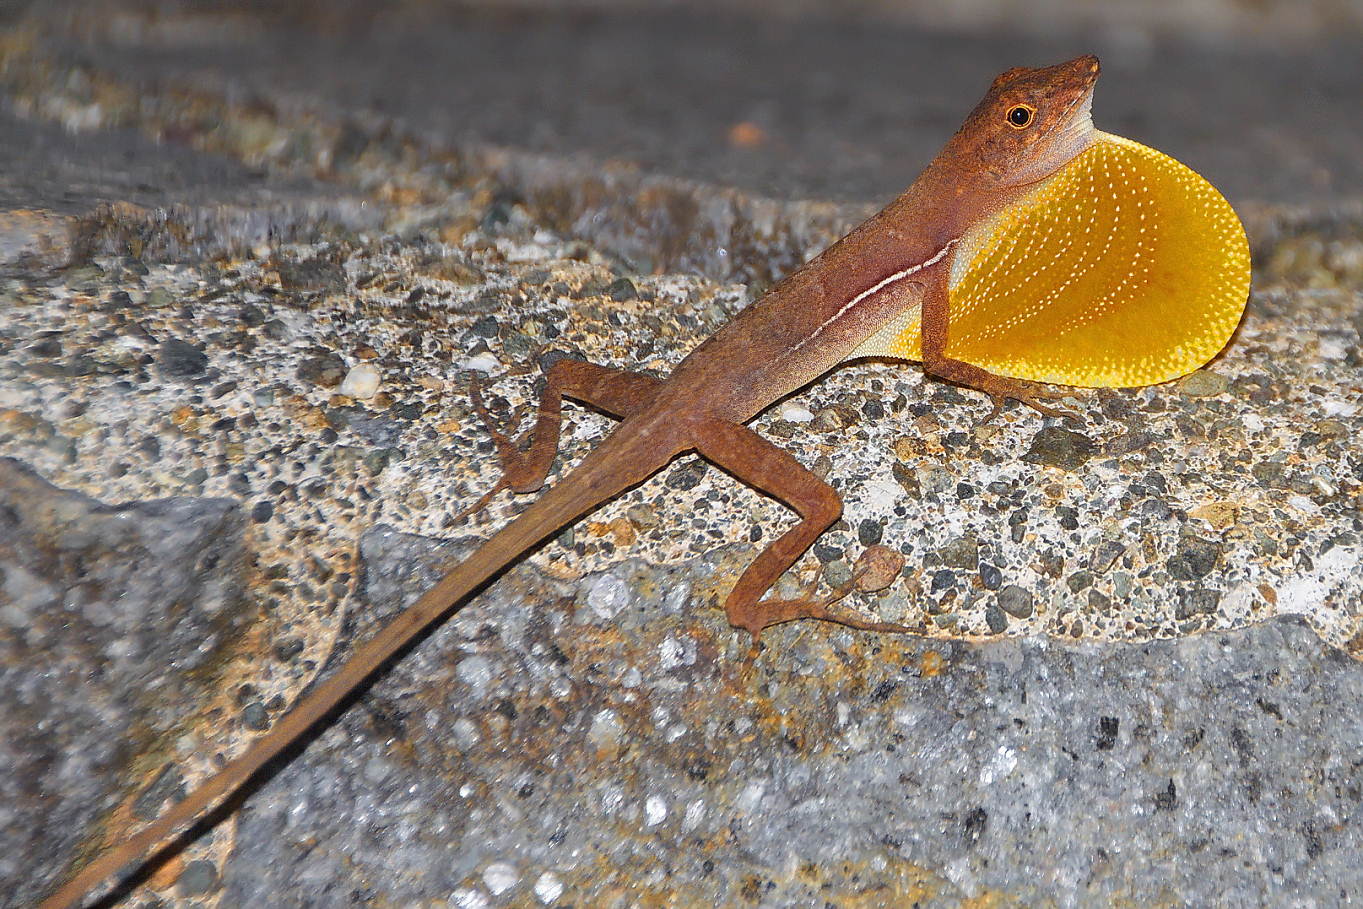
(613, 391)
(936, 318)
(762, 465)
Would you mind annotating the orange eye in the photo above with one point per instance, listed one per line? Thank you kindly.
(1020, 117)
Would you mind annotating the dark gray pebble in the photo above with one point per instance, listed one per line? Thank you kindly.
(199, 877)
(1058, 447)
(990, 576)
(1016, 601)
(180, 360)
(326, 371)
(869, 531)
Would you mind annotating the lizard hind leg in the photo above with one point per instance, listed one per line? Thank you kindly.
(614, 391)
(757, 462)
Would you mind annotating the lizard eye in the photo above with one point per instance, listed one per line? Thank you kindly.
(1020, 116)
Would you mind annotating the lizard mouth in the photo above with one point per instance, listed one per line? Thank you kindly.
(1074, 127)
(1075, 130)
(1071, 132)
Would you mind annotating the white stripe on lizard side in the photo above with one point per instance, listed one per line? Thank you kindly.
(875, 289)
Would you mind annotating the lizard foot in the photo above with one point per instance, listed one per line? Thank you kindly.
(507, 452)
(1031, 395)
(875, 569)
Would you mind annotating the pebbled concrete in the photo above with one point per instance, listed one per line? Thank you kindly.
(67, 192)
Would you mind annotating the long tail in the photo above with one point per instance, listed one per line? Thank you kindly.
(629, 456)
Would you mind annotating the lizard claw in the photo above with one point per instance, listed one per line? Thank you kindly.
(507, 451)
(875, 569)
(1031, 397)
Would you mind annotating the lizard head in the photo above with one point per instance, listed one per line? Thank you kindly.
(1031, 123)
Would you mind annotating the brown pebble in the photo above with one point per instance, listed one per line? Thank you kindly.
(876, 568)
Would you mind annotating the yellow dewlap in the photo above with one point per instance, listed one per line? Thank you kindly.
(1124, 268)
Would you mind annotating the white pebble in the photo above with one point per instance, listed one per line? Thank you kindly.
(467, 898)
(361, 382)
(606, 729)
(611, 799)
(670, 654)
(607, 595)
(475, 671)
(655, 811)
(500, 877)
(695, 813)
(795, 413)
(751, 796)
(1303, 504)
(548, 888)
(483, 362)
(1333, 350)
(466, 734)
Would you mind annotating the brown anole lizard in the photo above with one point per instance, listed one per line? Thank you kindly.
(1033, 248)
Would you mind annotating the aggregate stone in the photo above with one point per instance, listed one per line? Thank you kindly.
(180, 359)
(1055, 446)
(313, 275)
(1203, 384)
(990, 576)
(328, 370)
(198, 877)
(963, 552)
(1016, 601)
(1195, 559)
(869, 532)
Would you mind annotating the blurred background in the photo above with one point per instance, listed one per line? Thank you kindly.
(840, 101)
(575, 108)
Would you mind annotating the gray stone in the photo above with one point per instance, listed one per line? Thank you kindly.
(1195, 559)
(326, 371)
(622, 289)
(180, 359)
(312, 276)
(152, 799)
(113, 614)
(1211, 758)
(1204, 384)
(254, 716)
(1016, 601)
(198, 878)
(1055, 446)
(963, 552)
(990, 576)
(870, 531)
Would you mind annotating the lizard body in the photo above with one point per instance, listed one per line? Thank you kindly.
(1033, 247)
